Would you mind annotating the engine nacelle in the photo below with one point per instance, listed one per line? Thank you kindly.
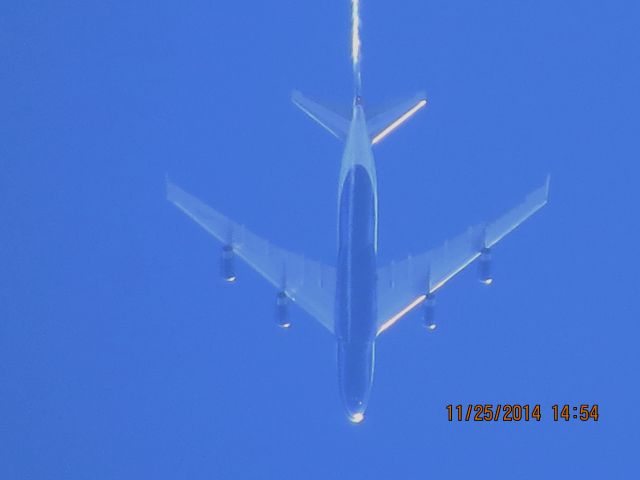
(484, 267)
(228, 264)
(430, 313)
(282, 310)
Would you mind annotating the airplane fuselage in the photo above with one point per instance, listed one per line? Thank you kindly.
(355, 320)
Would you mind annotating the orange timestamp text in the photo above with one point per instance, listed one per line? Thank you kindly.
(513, 412)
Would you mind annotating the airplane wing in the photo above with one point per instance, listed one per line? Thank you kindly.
(306, 282)
(404, 285)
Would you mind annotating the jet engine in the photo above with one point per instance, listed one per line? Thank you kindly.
(282, 310)
(484, 267)
(430, 312)
(227, 264)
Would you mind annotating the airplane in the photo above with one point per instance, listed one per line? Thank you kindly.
(356, 300)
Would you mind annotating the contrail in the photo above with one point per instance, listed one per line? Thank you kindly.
(355, 41)
(355, 32)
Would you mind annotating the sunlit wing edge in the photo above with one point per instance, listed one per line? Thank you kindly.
(493, 234)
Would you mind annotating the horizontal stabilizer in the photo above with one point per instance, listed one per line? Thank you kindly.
(382, 125)
(336, 124)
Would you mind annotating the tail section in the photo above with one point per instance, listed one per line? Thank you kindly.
(335, 123)
(380, 126)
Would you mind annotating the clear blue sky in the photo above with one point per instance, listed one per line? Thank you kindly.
(122, 354)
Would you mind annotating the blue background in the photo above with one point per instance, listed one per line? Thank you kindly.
(122, 354)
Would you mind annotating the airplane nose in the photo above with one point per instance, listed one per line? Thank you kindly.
(355, 408)
(356, 375)
(357, 417)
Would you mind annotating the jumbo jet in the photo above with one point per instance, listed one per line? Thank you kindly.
(356, 300)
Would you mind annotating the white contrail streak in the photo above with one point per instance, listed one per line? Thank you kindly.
(355, 32)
